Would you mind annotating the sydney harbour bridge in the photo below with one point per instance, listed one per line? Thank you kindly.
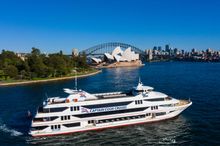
(100, 49)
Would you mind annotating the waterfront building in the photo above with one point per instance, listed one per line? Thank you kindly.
(96, 60)
(150, 55)
(119, 55)
(22, 56)
(75, 52)
(118, 58)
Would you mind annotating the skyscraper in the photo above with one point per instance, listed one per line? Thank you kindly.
(167, 48)
(150, 55)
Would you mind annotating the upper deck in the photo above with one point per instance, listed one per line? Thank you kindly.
(80, 95)
(99, 96)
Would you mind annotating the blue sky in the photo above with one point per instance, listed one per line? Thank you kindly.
(54, 25)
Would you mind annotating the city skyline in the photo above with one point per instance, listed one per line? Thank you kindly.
(55, 25)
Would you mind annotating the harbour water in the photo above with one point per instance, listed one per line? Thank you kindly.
(198, 125)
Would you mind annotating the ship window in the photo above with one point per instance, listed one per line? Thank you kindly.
(110, 112)
(107, 105)
(172, 111)
(168, 98)
(65, 117)
(121, 119)
(155, 99)
(55, 127)
(148, 114)
(154, 107)
(38, 128)
(72, 125)
(44, 119)
(51, 110)
(166, 105)
(161, 114)
(75, 108)
(138, 102)
(91, 121)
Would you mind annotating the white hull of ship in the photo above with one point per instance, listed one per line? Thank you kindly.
(85, 127)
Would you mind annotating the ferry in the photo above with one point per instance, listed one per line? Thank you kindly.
(81, 111)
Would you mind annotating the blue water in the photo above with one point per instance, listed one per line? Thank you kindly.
(198, 125)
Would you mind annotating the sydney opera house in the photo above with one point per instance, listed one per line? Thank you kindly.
(118, 58)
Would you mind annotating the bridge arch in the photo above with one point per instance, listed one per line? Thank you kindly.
(108, 48)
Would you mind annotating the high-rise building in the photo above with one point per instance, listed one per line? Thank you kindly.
(150, 54)
(159, 48)
(176, 52)
(183, 52)
(167, 48)
(193, 51)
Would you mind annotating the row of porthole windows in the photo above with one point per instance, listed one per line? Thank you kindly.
(91, 121)
(123, 118)
(138, 101)
(55, 127)
(154, 107)
(65, 117)
(74, 108)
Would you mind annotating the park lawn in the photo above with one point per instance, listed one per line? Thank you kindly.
(9, 80)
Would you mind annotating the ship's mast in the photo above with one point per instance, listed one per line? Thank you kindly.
(139, 79)
(75, 78)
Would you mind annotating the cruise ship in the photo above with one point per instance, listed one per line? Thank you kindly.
(81, 111)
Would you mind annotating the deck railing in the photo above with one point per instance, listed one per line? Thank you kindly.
(182, 102)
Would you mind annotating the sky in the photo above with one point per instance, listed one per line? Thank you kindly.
(54, 25)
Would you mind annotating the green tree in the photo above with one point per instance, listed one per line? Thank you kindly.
(35, 51)
(9, 58)
(59, 64)
(82, 61)
(37, 66)
(11, 71)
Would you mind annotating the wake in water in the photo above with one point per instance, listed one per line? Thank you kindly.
(12, 132)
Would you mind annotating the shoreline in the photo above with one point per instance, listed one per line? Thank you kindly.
(137, 63)
(48, 80)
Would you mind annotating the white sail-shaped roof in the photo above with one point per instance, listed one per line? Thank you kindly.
(119, 58)
(109, 56)
(119, 55)
(127, 54)
(96, 60)
(117, 51)
(130, 55)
